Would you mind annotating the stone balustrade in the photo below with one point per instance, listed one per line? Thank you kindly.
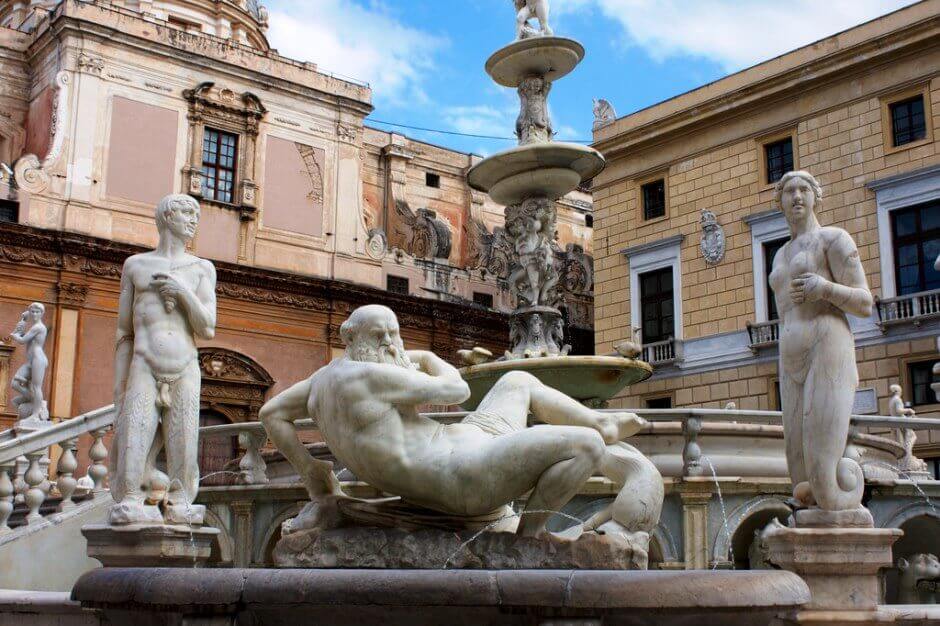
(914, 308)
(763, 334)
(662, 352)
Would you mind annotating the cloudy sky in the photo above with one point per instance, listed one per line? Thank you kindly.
(424, 58)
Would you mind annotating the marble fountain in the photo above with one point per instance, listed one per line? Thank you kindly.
(457, 526)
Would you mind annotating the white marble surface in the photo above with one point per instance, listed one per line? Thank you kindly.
(30, 404)
(365, 405)
(817, 280)
(167, 301)
(527, 10)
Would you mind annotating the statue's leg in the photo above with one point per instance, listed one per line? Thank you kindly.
(829, 394)
(521, 18)
(518, 392)
(791, 395)
(278, 417)
(542, 12)
(552, 461)
(181, 437)
(134, 430)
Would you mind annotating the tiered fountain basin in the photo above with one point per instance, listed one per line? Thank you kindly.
(536, 170)
(584, 378)
(551, 57)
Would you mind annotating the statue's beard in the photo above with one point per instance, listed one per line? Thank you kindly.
(389, 355)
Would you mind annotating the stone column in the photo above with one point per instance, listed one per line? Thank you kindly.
(242, 516)
(695, 529)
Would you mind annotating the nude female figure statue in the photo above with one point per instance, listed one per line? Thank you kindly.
(817, 279)
(31, 332)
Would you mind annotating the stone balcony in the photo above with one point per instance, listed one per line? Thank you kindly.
(763, 335)
(662, 353)
(914, 308)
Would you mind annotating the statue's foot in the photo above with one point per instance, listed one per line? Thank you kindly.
(803, 495)
(185, 514)
(321, 513)
(616, 427)
(131, 512)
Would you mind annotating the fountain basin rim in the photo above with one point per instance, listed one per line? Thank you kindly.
(548, 362)
(584, 160)
(551, 57)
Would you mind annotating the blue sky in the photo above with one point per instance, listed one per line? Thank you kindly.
(424, 58)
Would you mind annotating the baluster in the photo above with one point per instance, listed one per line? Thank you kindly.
(35, 496)
(6, 495)
(692, 452)
(252, 466)
(98, 453)
(915, 307)
(46, 484)
(19, 484)
(65, 469)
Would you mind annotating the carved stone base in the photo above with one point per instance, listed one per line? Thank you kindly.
(818, 518)
(535, 332)
(392, 548)
(151, 546)
(841, 565)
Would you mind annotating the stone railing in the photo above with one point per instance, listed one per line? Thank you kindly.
(662, 352)
(763, 334)
(913, 308)
(23, 464)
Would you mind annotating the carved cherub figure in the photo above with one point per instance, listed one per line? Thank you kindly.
(532, 9)
(534, 124)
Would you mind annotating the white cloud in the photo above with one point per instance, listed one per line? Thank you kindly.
(733, 33)
(363, 41)
(480, 120)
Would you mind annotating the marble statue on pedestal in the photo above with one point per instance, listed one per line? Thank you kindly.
(909, 463)
(604, 114)
(817, 279)
(167, 301)
(366, 407)
(31, 407)
(528, 10)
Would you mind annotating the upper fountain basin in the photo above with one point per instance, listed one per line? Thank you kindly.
(540, 169)
(551, 57)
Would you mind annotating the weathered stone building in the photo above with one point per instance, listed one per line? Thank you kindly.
(307, 212)
(860, 111)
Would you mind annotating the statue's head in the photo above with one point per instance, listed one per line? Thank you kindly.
(895, 390)
(35, 311)
(178, 214)
(797, 194)
(371, 334)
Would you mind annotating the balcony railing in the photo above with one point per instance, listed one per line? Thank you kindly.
(763, 334)
(913, 308)
(662, 352)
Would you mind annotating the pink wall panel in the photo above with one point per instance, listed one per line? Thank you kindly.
(142, 152)
(217, 238)
(294, 183)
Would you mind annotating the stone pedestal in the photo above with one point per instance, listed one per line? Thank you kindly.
(151, 545)
(841, 566)
(392, 548)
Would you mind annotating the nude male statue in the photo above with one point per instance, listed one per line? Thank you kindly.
(31, 332)
(167, 301)
(365, 405)
(531, 9)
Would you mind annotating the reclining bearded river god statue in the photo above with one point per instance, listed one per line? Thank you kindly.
(453, 477)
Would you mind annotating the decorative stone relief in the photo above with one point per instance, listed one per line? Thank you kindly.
(346, 132)
(31, 174)
(713, 238)
(377, 244)
(89, 64)
(534, 124)
(421, 234)
(72, 294)
(261, 295)
(531, 225)
(313, 170)
(604, 114)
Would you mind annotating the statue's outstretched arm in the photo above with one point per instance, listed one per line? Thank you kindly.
(201, 304)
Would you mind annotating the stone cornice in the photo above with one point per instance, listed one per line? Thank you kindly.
(697, 109)
(904, 177)
(668, 242)
(121, 27)
(20, 244)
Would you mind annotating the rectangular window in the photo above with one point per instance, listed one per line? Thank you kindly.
(483, 299)
(659, 403)
(770, 251)
(396, 284)
(432, 180)
(9, 211)
(219, 159)
(654, 199)
(779, 158)
(656, 305)
(922, 376)
(916, 233)
(908, 123)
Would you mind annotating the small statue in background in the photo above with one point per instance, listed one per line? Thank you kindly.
(31, 332)
(532, 9)
(534, 124)
(604, 114)
(909, 463)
